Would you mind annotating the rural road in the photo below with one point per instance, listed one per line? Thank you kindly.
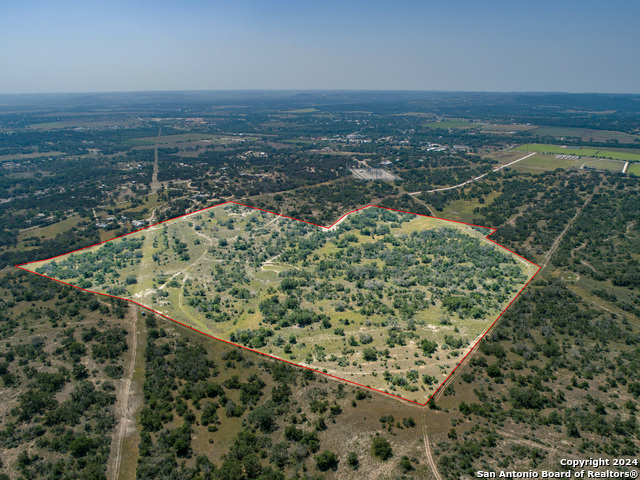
(427, 448)
(557, 241)
(155, 184)
(473, 179)
(124, 411)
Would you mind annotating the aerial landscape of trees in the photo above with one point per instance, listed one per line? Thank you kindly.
(557, 376)
(379, 282)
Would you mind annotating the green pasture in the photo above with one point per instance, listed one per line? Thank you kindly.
(586, 134)
(634, 169)
(582, 152)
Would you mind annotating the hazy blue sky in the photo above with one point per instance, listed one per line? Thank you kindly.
(492, 45)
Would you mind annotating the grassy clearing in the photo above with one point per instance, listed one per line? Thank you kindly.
(171, 139)
(583, 152)
(542, 162)
(586, 134)
(26, 156)
(302, 110)
(49, 125)
(609, 165)
(50, 231)
(452, 124)
(358, 303)
(462, 210)
(414, 114)
(627, 157)
(507, 128)
(85, 123)
(634, 169)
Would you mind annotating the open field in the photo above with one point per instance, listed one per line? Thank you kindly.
(586, 134)
(550, 161)
(171, 139)
(542, 162)
(609, 165)
(484, 127)
(583, 152)
(302, 110)
(634, 169)
(50, 231)
(99, 122)
(387, 300)
(506, 128)
(452, 124)
(462, 210)
(373, 174)
(26, 156)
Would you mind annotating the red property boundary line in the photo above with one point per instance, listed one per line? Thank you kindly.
(471, 350)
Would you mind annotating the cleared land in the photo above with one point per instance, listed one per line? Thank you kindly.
(506, 128)
(634, 169)
(452, 124)
(583, 152)
(543, 162)
(171, 139)
(388, 300)
(373, 174)
(586, 134)
(610, 165)
(84, 123)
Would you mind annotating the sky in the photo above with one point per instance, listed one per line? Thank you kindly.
(49, 46)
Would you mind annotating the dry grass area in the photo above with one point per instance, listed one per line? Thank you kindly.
(351, 431)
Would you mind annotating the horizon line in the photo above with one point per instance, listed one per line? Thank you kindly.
(320, 90)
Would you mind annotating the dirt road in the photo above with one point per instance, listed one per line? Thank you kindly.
(473, 179)
(557, 241)
(155, 184)
(124, 410)
(427, 448)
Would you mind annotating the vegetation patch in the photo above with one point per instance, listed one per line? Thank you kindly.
(388, 300)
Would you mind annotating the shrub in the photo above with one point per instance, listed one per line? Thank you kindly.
(352, 460)
(381, 448)
(326, 460)
(370, 354)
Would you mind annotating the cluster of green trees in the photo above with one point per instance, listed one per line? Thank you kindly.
(100, 266)
(553, 364)
(63, 331)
